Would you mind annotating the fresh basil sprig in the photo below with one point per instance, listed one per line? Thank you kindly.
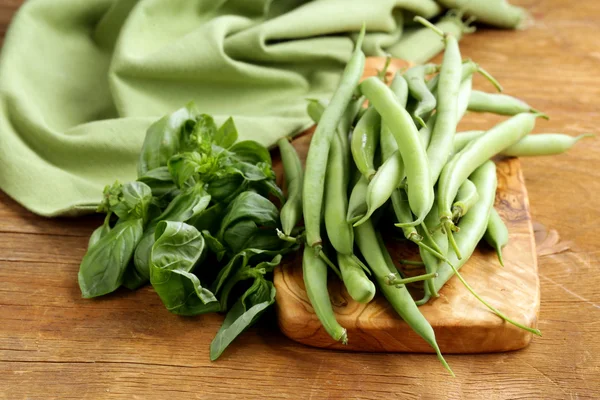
(199, 225)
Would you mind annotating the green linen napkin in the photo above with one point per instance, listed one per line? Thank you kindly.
(81, 80)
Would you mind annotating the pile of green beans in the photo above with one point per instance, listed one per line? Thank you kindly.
(401, 162)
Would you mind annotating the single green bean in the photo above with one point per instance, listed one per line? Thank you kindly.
(357, 205)
(316, 161)
(543, 144)
(415, 79)
(440, 145)
(464, 93)
(388, 144)
(365, 139)
(339, 231)
(379, 260)
(314, 272)
(291, 212)
(492, 12)
(358, 285)
(497, 103)
(315, 109)
(496, 234)
(380, 189)
(475, 154)
(539, 144)
(466, 198)
(420, 188)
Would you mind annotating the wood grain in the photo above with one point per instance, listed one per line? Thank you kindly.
(461, 323)
(55, 345)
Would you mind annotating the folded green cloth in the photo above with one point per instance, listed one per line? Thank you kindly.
(81, 80)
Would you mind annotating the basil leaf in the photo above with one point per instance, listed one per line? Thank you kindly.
(136, 198)
(163, 139)
(104, 264)
(100, 232)
(210, 218)
(249, 205)
(268, 188)
(240, 317)
(159, 180)
(238, 262)
(186, 205)
(175, 253)
(227, 134)
(227, 187)
(141, 257)
(132, 280)
(214, 245)
(247, 272)
(239, 233)
(265, 239)
(251, 152)
(189, 203)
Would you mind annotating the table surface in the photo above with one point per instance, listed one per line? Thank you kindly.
(54, 344)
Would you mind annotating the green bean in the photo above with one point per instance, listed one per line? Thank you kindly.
(415, 79)
(314, 272)
(464, 93)
(461, 139)
(425, 132)
(432, 263)
(316, 162)
(472, 156)
(357, 205)
(291, 212)
(315, 109)
(338, 229)
(466, 197)
(379, 261)
(388, 144)
(392, 280)
(423, 44)
(543, 144)
(420, 188)
(474, 224)
(497, 103)
(358, 285)
(380, 189)
(429, 246)
(493, 12)
(496, 234)
(365, 139)
(444, 129)
(539, 144)
(468, 69)
(472, 229)
(403, 215)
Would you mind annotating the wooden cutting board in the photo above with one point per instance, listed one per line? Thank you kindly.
(461, 323)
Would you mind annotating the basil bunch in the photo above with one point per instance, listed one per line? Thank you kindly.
(198, 225)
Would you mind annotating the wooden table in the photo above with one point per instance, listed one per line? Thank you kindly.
(53, 344)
